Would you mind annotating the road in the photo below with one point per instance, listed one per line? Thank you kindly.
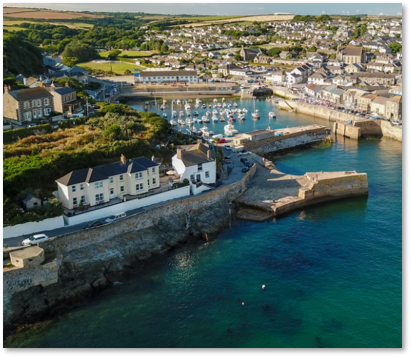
(235, 176)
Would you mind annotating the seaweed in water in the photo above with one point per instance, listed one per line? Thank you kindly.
(331, 325)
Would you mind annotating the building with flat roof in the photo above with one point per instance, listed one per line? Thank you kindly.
(167, 77)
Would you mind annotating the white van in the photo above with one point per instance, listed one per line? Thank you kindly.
(115, 217)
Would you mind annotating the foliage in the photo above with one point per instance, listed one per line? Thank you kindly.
(78, 51)
(395, 47)
(116, 108)
(113, 54)
(312, 49)
(185, 182)
(10, 136)
(113, 132)
(274, 52)
(20, 56)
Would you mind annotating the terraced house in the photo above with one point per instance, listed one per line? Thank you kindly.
(27, 104)
(100, 184)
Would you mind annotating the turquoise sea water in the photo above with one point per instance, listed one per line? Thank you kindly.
(332, 272)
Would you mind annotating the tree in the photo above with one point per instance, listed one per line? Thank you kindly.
(163, 48)
(78, 51)
(127, 72)
(237, 57)
(113, 132)
(312, 49)
(395, 47)
(113, 54)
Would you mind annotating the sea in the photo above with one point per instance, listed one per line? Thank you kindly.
(332, 272)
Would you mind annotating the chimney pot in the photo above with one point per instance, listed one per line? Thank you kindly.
(209, 154)
(6, 89)
(123, 159)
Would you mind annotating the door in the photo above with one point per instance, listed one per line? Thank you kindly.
(112, 195)
(198, 177)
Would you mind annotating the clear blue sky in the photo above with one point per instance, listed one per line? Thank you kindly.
(230, 9)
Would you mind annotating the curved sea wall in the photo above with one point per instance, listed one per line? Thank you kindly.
(368, 126)
(82, 263)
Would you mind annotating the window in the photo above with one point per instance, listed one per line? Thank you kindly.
(40, 113)
(121, 177)
(73, 188)
(200, 167)
(154, 181)
(148, 183)
(139, 187)
(192, 177)
(139, 175)
(26, 105)
(81, 187)
(75, 201)
(99, 198)
(111, 180)
(207, 174)
(83, 200)
(46, 101)
(47, 111)
(121, 188)
(27, 115)
(153, 170)
(148, 172)
(98, 185)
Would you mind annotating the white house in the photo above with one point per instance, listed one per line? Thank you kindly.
(167, 76)
(100, 184)
(197, 164)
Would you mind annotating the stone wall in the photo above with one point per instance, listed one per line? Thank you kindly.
(391, 131)
(86, 260)
(277, 143)
(349, 183)
(349, 131)
(368, 127)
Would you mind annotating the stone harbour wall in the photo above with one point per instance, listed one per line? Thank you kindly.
(277, 143)
(391, 131)
(86, 261)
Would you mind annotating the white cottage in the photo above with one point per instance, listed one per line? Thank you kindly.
(197, 164)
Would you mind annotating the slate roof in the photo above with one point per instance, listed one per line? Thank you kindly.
(30, 94)
(352, 51)
(103, 172)
(195, 155)
(64, 90)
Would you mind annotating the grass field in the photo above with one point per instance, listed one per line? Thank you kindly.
(130, 53)
(15, 24)
(13, 28)
(45, 14)
(117, 67)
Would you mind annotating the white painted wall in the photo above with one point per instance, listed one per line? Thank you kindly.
(129, 205)
(33, 227)
(186, 172)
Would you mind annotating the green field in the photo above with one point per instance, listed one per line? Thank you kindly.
(13, 25)
(209, 18)
(130, 53)
(13, 28)
(116, 67)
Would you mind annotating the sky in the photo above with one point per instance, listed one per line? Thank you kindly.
(229, 9)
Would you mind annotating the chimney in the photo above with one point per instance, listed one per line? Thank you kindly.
(123, 159)
(67, 84)
(6, 89)
(179, 153)
(41, 84)
(209, 154)
(25, 81)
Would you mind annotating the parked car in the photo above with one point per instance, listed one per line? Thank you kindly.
(93, 224)
(242, 153)
(395, 122)
(221, 141)
(245, 169)
(227, 147)
(33, 240)
(115, 217)
(245, 162)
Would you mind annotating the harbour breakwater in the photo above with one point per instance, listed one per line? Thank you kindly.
(286, 193)
(348, 125)
(80, 264)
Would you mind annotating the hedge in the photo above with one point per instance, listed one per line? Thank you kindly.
(11, 136)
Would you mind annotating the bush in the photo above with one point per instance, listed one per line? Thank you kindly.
(11, 136)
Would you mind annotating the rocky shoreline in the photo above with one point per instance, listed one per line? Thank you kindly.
(81, 276)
